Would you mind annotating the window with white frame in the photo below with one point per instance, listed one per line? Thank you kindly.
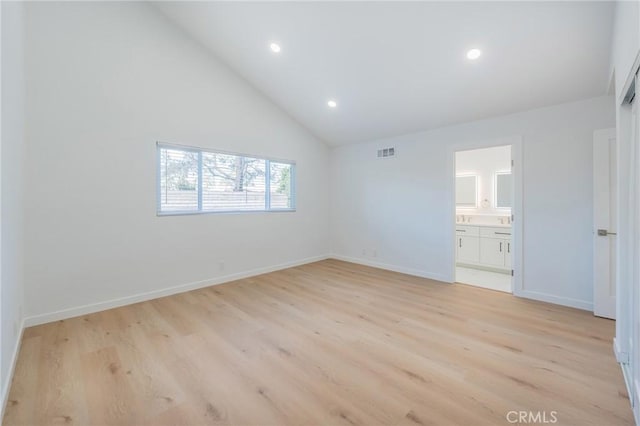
(194, 180)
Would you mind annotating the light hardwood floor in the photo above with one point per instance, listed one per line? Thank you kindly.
(327, 343)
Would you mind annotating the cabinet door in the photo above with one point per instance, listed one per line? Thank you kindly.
(508, 254)
(492, 251)
(468, 249)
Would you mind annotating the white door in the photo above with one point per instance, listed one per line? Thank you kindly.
(635, 285)
(492, 251)
(604, 223)
(468, 249)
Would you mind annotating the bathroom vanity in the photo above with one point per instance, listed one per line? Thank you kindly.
(484, 246)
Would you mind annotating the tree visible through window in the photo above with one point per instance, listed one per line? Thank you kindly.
(232, 182)
(193, 180)
(281, 185)
(179, 180)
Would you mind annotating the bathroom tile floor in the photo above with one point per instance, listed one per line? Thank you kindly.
(484, 279)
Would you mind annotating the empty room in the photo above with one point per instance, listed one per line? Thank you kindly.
(319, 213)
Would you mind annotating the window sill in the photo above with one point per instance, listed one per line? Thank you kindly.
(224, 212)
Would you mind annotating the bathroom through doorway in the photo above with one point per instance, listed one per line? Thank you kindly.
(483, 223)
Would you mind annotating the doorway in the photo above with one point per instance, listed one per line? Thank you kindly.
(484, 200)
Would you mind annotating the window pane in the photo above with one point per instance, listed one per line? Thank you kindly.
(178, 180)
(232, 182)
(194, 180)
(280, 179)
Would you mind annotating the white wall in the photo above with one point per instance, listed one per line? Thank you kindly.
(397, 210)
(100, 93)
(484, 163)
(625, 41)
(11, 189)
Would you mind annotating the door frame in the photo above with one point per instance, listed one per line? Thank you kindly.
(625, 344)
(517, 282)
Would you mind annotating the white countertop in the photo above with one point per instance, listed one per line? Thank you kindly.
(486, 225)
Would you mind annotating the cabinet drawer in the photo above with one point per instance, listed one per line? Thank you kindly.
(472, 231)
(503, 233)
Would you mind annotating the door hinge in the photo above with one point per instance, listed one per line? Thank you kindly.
(512, 164)
(512, 272)
(512, 218)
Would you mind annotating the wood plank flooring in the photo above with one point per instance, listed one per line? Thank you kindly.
(329, 343)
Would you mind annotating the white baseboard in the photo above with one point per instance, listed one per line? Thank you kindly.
(543, 297)
(636, 405)
(621, 357)
(6, 386)
(557, 300)
(142, 297)
(394, 268)
(631, 385)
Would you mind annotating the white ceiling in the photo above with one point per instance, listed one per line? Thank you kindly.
(400, 67)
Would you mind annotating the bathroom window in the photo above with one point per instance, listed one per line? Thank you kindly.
(194, 180)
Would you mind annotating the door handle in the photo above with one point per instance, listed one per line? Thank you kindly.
(460, 242)
(604, 233)
(500, 246)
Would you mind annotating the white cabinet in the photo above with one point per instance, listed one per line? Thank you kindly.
(508, 255)
(467, 244)
(468, 249)
(492, 251)
(484, 246)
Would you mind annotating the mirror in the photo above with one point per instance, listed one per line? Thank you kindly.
(466, 191)
(504, 189)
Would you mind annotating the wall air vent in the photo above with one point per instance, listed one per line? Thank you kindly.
(386, 153)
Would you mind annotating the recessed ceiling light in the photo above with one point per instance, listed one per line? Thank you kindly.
(474, 54)
(275, 47)
(332, 103)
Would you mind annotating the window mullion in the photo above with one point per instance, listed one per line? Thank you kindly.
(159, 179)
(267, 185)
(199, 185)
(292, 187)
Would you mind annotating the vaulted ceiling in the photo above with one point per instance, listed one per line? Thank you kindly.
(401, 67)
